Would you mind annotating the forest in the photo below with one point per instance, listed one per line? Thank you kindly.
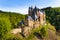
(53, 16)
(9, 20)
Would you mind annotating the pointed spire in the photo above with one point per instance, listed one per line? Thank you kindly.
(35, 7)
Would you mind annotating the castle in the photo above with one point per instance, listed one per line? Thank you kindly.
(34, 19)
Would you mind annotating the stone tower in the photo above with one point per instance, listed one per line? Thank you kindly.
(35, 17)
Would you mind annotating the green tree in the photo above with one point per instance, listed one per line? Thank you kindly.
(5, 27)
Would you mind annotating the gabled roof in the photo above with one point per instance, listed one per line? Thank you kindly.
(30, 18)
(34, 16)
(21, 22)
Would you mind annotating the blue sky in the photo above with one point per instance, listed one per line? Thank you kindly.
(21, 6)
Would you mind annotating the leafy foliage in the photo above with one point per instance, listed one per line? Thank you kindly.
(5, 27)
(9, 21)
(13, 37)
(53, 16)
(43, 31)
(13, 17)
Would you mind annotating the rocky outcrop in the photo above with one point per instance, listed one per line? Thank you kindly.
(15, 31)
(26, 31)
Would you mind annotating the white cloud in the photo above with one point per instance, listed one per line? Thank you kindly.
(21, 10)
(24, 10)
(55, 3)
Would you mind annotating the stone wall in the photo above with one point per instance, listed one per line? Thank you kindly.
(26, 31)
(41, 19)
(30, 23)
(36, 24)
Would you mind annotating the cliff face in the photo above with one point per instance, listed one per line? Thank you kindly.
(35, 34)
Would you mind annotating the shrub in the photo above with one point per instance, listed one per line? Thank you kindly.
(31, 36)
(5, 27)
(43, 31)
(10, 36)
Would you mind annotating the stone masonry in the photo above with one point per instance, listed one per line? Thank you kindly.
(34, 19)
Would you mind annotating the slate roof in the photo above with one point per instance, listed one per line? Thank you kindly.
(29, 18)
(34, 15)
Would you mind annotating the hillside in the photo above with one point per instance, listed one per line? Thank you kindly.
(14, 18)
(9, 21)
(53, 16)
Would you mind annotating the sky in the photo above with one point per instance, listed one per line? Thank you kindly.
(21, 6)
